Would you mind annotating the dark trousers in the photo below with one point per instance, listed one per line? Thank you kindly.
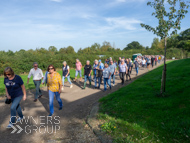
(128, 75)
(122, 76)
(37, 85)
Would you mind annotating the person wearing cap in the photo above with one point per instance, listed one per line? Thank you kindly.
(100, 72)
(37, 77)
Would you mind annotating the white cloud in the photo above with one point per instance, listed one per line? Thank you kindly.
(56, 0)
(122, 22)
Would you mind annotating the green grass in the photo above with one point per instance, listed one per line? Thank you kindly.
(31, 84)
(136, 114)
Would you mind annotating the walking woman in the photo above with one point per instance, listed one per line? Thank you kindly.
(54, 85)
(78, 70)
(66, 74)
(15, 90)
(106, 75)
(129, 70)
(122, 70)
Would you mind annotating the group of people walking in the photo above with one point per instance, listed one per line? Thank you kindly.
(15, 89)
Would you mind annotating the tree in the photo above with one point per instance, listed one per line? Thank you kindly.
(169, 21)
(133, 45)
(52, 49)
(184, 40)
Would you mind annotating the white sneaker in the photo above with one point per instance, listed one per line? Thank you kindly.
(10, 125)
(62, 88)
(19, 119)
(71, 86)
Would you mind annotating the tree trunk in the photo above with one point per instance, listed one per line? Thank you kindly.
(163, 81)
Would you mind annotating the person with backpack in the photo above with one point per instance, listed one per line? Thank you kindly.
(66, 74)
(15, 91)
(87, 73)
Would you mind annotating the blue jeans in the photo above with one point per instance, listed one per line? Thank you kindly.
(15, 107)
(112, 76)
(78, 72)
(51, 98)
(99, 81)
(106, 80)
(37, 85)
(95, 80)
(137, 70)
(85, 78)
(68, 78)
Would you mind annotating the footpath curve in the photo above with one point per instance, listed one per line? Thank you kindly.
(66, 126)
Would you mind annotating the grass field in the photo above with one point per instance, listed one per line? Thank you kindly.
(136, 114)
(31, 84)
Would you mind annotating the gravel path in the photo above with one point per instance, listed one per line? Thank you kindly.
(66, 126)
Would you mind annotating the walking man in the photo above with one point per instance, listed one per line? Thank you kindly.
(87, 73)
(37, 77)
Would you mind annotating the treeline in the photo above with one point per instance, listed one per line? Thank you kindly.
(21, 61)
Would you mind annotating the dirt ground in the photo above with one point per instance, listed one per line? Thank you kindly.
(67, 125)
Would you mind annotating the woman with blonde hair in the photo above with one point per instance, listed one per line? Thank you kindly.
(15, 90)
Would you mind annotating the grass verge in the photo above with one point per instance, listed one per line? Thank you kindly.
(136, 114)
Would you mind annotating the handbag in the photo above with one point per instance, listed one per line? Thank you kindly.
(7, 101)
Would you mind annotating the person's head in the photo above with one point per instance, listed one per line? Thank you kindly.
(119, 58)
(87, 62)
(111, 62)
(110, 58)
(77, 60)
(35, 65)
(51, 69)
(99, 61)
(96, 62)
(122, 61)
(64, 63)
(8, 72)
(105, 65)
(136, 59)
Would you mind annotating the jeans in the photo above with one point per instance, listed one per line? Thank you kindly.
(68, 78)
(112, 76)
(122, 75)
(37, 85)
(155, 63)
(95, 80)
(78, 72)
(99, 81)
(85, 78)
(106, 80)
(15, 107)
(51, 98)
(158, 61)
(137, 70)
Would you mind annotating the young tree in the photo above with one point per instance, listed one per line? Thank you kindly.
(169, 23)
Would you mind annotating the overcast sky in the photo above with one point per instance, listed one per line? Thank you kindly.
(31, 24)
